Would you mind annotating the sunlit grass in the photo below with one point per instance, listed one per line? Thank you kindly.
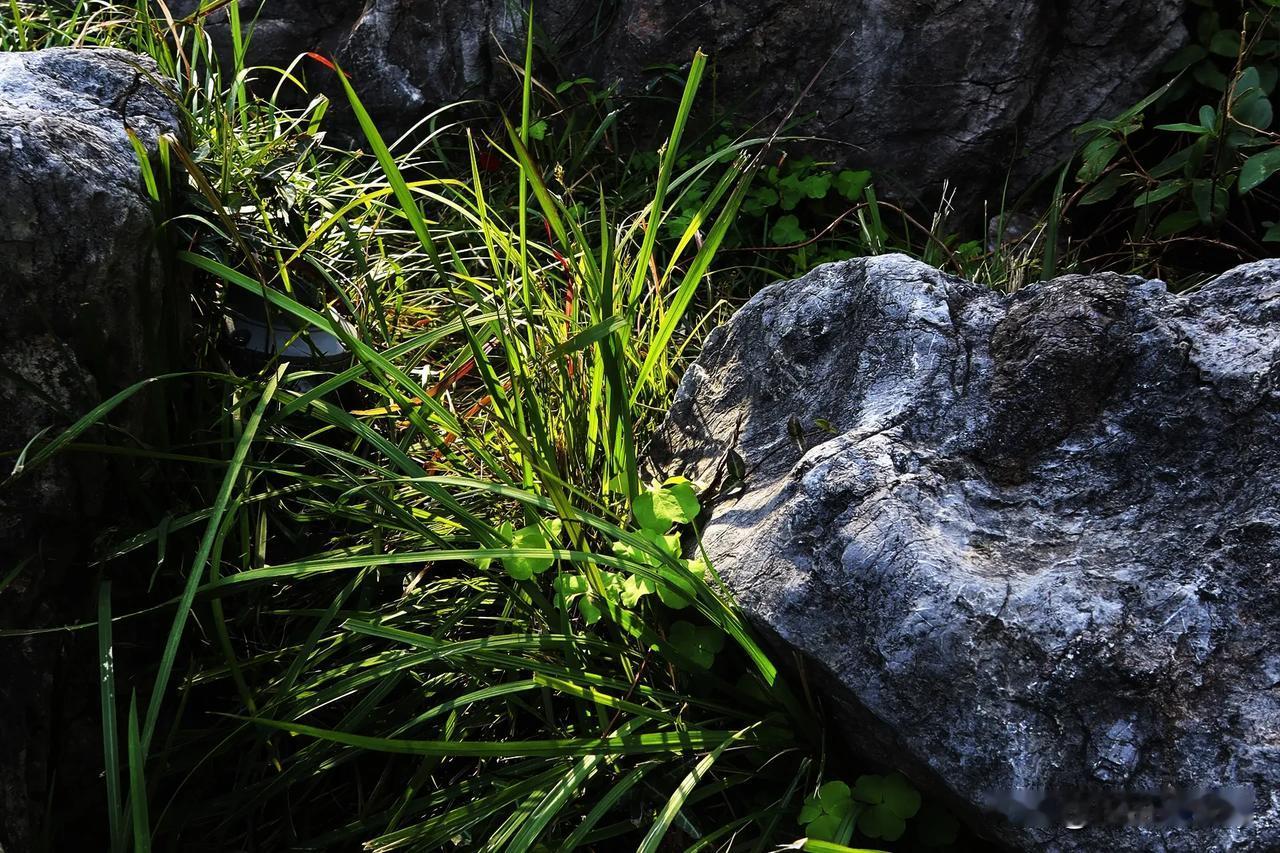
(348, 656)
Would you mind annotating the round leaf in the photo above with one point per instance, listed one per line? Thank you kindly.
(657, 510)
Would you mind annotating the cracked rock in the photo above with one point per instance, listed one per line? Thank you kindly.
(1031, 542)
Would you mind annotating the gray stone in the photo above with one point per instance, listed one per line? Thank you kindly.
(86, 313)
(920, 92)
(1028, 541)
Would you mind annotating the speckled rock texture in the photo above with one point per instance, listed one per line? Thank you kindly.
(921, 92)
(1026, 542)
(85, 313)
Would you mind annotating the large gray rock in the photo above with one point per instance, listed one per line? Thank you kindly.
(920, 92)
(1027, 541)
(86, 313)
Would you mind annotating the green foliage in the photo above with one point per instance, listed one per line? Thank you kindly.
(1195, 159)
(830, 813)
(536, 537)
(699, 644)
(878, 807)
(437, 606)
(660, 507)
(887, 802)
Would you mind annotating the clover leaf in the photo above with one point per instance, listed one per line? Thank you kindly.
(759, 200)
(824, 812)
(889, 801)
(786, 230)
(530, 537)
(816, 186)
(570, 587)
(697, 643)
(635, 588)
(850, 184)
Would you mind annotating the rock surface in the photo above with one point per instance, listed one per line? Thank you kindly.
(1034, 540)
(85, 315)
(919, 92)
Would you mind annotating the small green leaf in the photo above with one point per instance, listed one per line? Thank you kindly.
(760, 199)
(823, 827)
(590, 610)
(850, 184)
(1248, 82)
(635, 588)
(900, 797)
(1185, 58)
(1181, 127)
(816, 186)
(1225, 43)
(877, 822)
(1272, 234)
(523, 568)
(1097, 154)
(836, 798)
(1105, 189)
(656, 509)
(699, 644)
(1160, 193)
(659, 507)
(1207, 74)
(1176, 223)
(678, 592)
(890, 801)
(538, 130)
(1254, 111)
(687, 496)
(786, 230)
(1258, 168)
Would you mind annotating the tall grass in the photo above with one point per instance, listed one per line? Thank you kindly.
(409, 604)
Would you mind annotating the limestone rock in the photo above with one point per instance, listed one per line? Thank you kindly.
(1031, 542)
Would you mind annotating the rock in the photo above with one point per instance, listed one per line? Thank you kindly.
(1030, 542)
(405, 59)
(919, 92)
(86, 313)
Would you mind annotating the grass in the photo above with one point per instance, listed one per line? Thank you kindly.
(427, 600)
(357, 650)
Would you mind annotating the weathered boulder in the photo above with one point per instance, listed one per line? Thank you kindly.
(1030, 542)
(920, 92)
(86, 313)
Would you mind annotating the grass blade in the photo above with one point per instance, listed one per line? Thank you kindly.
(138, 784)
(110, 735)
(197, 570)
(663, 820)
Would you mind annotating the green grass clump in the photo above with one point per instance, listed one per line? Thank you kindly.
(428, 600)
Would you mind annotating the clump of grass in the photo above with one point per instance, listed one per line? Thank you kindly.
(427, 600)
